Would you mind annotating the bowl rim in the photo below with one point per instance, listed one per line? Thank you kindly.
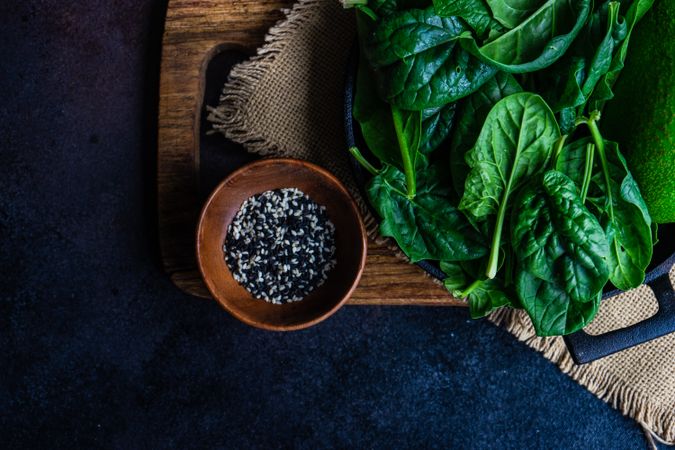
(325, 174)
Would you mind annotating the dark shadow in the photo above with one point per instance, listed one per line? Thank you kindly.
(218, 155)
(153, 56)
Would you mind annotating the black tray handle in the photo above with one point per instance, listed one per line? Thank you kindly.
(585, 348)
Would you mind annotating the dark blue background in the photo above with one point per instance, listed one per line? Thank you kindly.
(98, 349)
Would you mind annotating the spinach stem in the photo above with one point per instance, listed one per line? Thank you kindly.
(588, 171)
(493, 262)
(363, 161)
(600, 145)
(472, 287)
(558, 148)
(408, 165)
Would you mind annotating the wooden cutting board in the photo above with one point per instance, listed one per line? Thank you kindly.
(195, 31)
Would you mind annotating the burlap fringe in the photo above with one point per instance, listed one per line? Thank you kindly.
(227, 117)
(605, 385)
(228, 120)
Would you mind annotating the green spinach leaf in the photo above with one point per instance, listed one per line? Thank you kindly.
(557, 239)
(511, 13)
(428, 226)
(483, 296)
(538, 41)
(550, 308)
(437, 123)
(421, 63)
(569, 82)
(562, 254)
(622, 211)
(572, 160)
(626, 221)
(603, 91)
(473, 111)
(486, 297)
(473, 12)
(515, 144)
(374, 118)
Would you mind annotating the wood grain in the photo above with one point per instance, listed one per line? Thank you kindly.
(195, 30)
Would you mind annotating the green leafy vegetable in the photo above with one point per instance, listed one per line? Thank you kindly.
(562, 254)
(603, 92)
(513, 12)
(557, 239)
(515, 143)
(569, 83)
(474, 12)
(421, 63)
(483, 296)
(437, 123)
(562, 219)
(551, 310)
(374, 118)
(456, 279)
(538, 41)
(388, 7)
(428, 226)
(621, 210)
(627, 224)
(473, 111)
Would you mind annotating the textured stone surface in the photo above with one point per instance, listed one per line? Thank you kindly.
(98, 349)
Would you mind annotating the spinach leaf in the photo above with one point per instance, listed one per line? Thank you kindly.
(562, 253)
(557, 239)
(421, 64)
(576, 160)
(394, 136)
(483, 296)
(374, 118)
(626, 221)
(515, 143)
(486, 297)
(473, 111)
(473, 12)
(570, 82)
(622, 211)
(603, 92)
(536, 42)
(428, 226)
(550, 308)
(437, 123)
(456, 279)
(511, 13)
(572, 160)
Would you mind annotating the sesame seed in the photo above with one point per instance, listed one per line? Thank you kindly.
(280, 245)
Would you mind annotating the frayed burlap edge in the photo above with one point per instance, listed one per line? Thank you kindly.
(655, 421)
(229, 120)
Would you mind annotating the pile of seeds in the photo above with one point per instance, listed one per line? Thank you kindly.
(280, 245)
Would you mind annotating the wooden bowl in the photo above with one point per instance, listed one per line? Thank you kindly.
(350, 243)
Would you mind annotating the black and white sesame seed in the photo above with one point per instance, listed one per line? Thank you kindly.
(280, 245)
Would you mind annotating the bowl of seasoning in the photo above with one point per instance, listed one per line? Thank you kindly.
(280, 244)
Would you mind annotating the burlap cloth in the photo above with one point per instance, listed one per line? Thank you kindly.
(288, 101)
